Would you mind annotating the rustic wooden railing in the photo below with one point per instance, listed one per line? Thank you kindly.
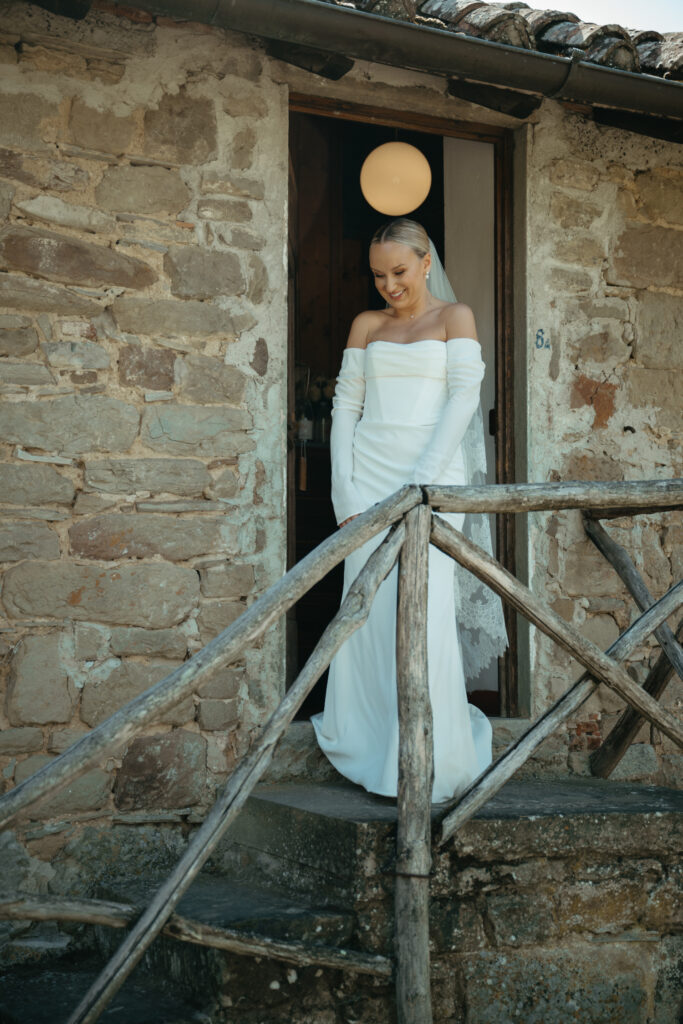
(413, 525)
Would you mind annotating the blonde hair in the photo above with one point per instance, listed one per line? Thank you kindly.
(406, 232)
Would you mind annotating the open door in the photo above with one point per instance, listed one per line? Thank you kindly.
(329, 229)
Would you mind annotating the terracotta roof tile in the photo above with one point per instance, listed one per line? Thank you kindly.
(548, 30)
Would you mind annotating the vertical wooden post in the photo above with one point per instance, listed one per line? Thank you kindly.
(415, 776)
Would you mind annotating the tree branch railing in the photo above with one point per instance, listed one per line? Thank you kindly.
(408, 516)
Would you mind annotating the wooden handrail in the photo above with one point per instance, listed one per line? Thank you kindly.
(600, 665)
(611, 499)
(415, 776)
(350, 617)
(604, 760)
(127, 722)
(20, 907)
(496, 775)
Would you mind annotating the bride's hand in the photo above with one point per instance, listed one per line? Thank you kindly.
(349, 520)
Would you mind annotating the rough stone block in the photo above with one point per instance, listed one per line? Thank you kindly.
(34, 485)
(167, 643)
(202, 430)
(639, 763)
(56, 175)
(571, 213)
(91, 642)
(584, 250)
(242, 150)
(233, 211)
(150, 368)
(61, 739)
(215, 715)
(69, 260)
(586, 572)
(197, 274)
(79, 355)
(158, 476)
(152, 595)
(6, 196)
(223, 683)
(659, 390)
(20, 740)
(24, 120)
(259, 360)
(543, 987)
(604, 347)
(562, 280)
(39, 297)
(226, 485)
(244, 103)
(17, 336)
(215, 616)
(220, 183)
(181, 130)
(258, 280)
(90, 792)
(242, 239)
(587, 466)
(162, 771)
(104, 695)
(142, 535)
(170, 318)
(39, 690)
(574, 174)
(228, 579)
(20, 540)
(142, 190)
(100, 129)
(601, 629)
(647, 255)
(209, 380)
(74, 424)
(25, 374)
(660, 194)
(56, 211)
(658, 330)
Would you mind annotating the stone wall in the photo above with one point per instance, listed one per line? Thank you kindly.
(604, 380)
(142, 354)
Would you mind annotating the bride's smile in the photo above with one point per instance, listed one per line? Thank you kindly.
(401, 277)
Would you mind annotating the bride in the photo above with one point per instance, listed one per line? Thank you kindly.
(407, 391)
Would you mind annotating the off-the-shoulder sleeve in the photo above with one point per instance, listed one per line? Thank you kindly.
(347, 408)
(465, 372)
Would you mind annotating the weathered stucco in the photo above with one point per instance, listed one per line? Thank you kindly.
(604, 373)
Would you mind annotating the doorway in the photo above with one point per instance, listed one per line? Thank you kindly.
(330, 224)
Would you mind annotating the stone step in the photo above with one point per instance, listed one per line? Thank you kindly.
(36, 994)
(335, 841)
(224, 903)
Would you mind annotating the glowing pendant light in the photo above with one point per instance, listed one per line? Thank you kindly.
(395, 178)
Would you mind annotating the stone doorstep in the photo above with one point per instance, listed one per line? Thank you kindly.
(43, 995)
(335, 842)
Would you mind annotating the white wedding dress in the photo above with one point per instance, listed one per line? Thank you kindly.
(400, 412)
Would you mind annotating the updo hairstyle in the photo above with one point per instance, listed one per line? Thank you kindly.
(405, 232)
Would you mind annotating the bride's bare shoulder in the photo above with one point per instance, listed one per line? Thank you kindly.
(363, 326)
(459, 321)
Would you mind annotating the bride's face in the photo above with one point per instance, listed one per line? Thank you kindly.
(400, 274)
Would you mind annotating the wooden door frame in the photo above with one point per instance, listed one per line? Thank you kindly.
(501, 139)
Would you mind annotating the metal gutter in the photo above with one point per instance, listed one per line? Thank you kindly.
(369, 37)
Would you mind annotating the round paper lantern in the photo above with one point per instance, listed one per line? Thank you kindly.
(395, 178)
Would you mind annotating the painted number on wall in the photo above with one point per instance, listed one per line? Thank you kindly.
(541, 340)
